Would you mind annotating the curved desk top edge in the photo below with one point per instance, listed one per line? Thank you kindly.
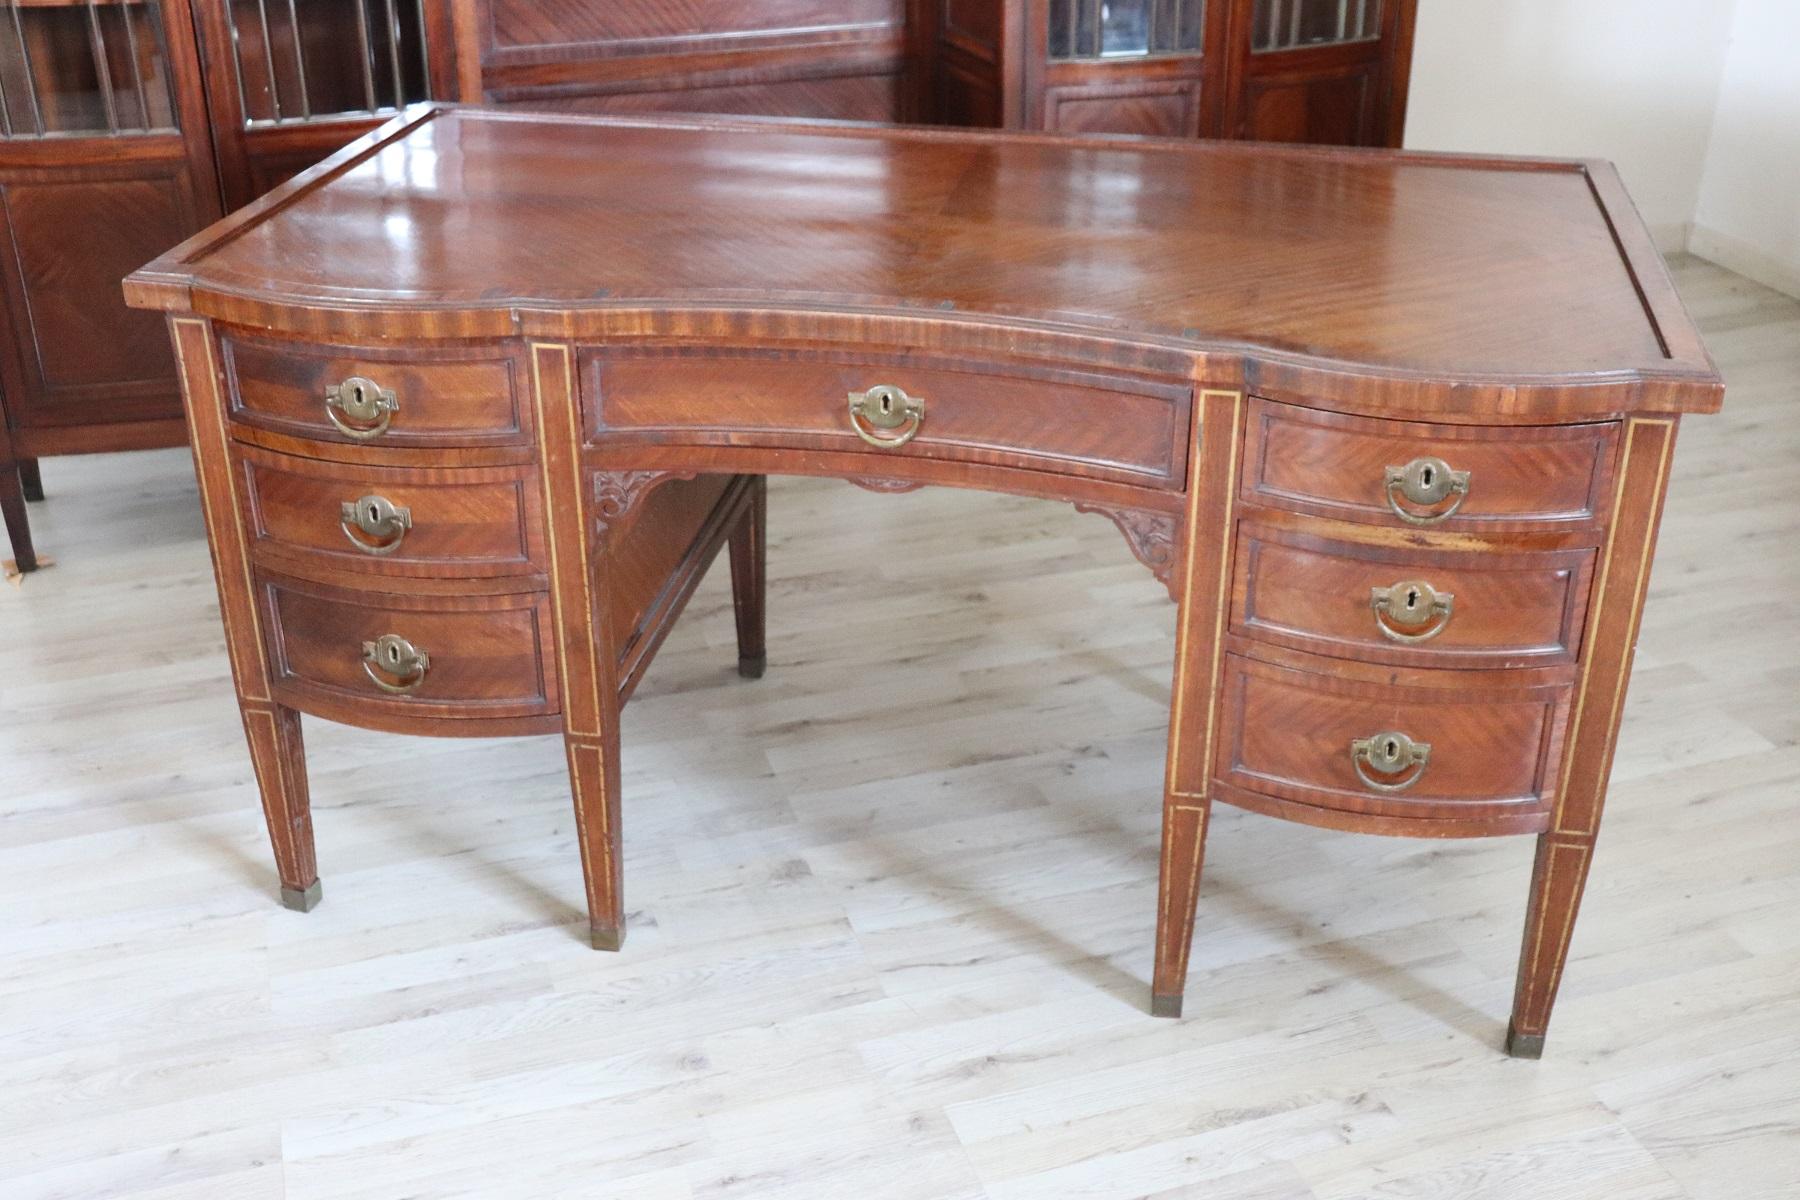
(1684, 380)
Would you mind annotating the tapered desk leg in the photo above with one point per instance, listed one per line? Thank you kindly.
(749, 580)
(586, 651)
(279, 756)
(18, 523)
(1205, 567)
(1565, 853)
(31, 479)
(273, 731)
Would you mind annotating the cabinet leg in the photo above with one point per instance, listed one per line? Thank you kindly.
(1178, 890)
(1557, 880)
(31, 479)
(18, 523)
(749, 580)
(279, 756)
(594, 782)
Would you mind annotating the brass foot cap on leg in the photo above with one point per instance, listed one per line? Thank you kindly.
(1165, 1006)
(752, 666)
(302, 900)
(606, 938)
(1524, 1045)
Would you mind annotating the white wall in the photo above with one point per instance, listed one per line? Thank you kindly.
(1748, 216)
(1635, 81)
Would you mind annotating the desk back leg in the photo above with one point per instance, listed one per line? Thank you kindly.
(1204, 592)
(749, 579)
(12, 508)
(31, 479)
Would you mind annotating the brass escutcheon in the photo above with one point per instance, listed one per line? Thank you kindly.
(886, 407)
(377, 517)
(363, 401)
(1425, 482)
(1411, 604)
(1389, 753)
(391, 654)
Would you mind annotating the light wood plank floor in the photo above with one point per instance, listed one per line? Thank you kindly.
(890, 907)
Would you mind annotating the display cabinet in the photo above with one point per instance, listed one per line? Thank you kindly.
(1270, 70)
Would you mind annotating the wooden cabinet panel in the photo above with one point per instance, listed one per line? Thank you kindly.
(532, 23)
(1163, 108)
(1333, 110)
(71, 243)
(843, 98)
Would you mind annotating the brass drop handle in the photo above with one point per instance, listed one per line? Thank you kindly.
(1425, 482)
(392, 655)
(379, 518)
(1403, 611)
(886, 407)
(365, 405)
(1389, 754)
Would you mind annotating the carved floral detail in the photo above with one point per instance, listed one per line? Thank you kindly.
(1149, 533)
(616, 493)
(876, 483)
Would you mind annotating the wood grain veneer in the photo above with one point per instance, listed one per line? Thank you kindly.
(1228, 350)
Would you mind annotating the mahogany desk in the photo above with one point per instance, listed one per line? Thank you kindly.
(476, 400)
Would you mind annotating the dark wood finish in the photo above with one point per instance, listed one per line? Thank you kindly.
(749, 574)
(12, 506)
(31, 480)
(1228, 388)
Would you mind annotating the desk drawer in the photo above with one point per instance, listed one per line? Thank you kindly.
(1409, 473)
(454, 395)
(463, 522)
(1302, 738)
(1410, 607)
(1104, 425)
(428, 655)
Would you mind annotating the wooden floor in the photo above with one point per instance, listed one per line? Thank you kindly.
(890, 907)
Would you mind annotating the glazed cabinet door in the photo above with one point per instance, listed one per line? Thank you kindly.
(1324, 71)
(1121, 66)
(104, 163)
(290, 81)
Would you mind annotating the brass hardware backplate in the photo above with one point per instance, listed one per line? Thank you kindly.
(1425, 482)
(886, 407)
(377, 517)
(363, 401)
(1411, 604)
(392, 655)
(1389, 753)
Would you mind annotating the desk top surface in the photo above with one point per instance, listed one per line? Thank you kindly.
(1431, 265)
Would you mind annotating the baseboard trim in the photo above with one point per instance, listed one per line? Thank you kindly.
(1736, 254)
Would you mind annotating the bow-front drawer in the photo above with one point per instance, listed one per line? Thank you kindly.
(1432, 608)
(345, 653)
(1454, 749)
(1420, 475)
(422, 396)
(1107, 425)
(466, 522)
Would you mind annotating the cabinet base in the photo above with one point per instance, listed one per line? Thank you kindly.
(1524, 1045)
(304, 900)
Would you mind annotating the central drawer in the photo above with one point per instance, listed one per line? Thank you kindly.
(1106, 425)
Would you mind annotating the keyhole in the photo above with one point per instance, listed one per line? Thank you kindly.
(1412, 599)
(374, 515)
(393, 653)
(887, 404)
(1392, 750)
(1427, 474)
